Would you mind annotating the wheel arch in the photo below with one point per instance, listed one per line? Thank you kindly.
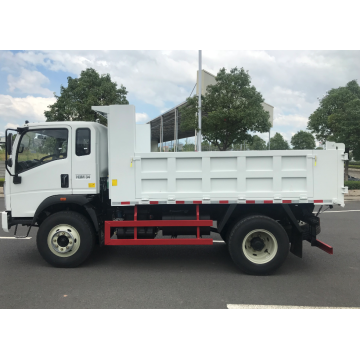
(241, 211)
(79, 203)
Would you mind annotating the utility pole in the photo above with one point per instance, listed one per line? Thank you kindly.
(269, 139)
(200, 90)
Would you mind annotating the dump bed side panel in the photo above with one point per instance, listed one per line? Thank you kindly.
(214, 176)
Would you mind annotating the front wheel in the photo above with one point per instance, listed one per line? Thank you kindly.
(65, 239)
(258, 245)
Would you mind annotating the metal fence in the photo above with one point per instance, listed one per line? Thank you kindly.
(169, 147)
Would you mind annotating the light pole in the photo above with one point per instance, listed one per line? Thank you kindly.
(199, 114)
(269, 138)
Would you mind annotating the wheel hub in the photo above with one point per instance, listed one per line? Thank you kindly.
(62, 241)
(259, 246)
(257, 243)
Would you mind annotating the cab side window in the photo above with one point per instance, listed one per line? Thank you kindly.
(83, 142)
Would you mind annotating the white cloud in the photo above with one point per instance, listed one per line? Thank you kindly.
(20, 109)
(291, 81)
(294, 121)
(29, 82)
(11, 126)
(142, 117)
(154, 77)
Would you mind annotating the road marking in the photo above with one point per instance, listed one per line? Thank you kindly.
(328, 212)
(13, 237)
(239, 306)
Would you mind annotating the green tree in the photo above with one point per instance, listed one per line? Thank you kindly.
(230, 109)
(338, 118)
(277, 142)
(188, 146)
(90, 89)
(206, 146)
(257, 143)
(303, 140)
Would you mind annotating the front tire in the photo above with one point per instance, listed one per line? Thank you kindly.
(258, 245)
(65, 239)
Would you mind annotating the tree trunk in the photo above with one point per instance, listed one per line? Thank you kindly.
(346, 170)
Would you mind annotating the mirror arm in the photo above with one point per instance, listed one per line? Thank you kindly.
(6, 152)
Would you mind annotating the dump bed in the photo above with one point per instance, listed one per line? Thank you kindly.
(280, 176)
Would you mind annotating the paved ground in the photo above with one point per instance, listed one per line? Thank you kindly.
(185, 276)
(354, 172)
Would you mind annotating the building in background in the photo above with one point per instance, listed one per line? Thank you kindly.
(167, 126)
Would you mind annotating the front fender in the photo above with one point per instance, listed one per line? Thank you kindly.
(81, 200)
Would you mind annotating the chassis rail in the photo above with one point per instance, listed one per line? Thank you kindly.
(158, 223)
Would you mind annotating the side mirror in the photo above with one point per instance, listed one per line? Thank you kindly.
(21, 148)
(9, 144)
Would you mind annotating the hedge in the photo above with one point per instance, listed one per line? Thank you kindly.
(353, 185)
(2, 182)
(354, 166)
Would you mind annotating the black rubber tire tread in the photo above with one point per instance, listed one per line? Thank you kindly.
(242, 228)
(225, 233)
(306, 233)
(81, 224)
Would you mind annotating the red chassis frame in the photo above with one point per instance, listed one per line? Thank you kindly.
(155, 223)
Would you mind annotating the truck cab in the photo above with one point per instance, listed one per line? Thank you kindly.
(49, 159)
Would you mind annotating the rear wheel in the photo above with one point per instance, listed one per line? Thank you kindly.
(65, 239)
(258, 245)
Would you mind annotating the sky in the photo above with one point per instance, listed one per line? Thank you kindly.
(291, 81)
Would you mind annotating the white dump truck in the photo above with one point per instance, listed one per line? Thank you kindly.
(82, 183)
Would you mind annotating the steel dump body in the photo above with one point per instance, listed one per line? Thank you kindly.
(279, 176)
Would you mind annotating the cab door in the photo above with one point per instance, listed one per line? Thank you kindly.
(43, 165)
(85, 160)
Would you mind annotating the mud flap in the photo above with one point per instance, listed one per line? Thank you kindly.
(296, 233)
(296, 244)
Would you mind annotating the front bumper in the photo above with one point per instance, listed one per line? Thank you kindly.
(4, 221)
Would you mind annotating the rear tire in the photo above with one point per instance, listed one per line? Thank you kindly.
(65, 239)
(258, 245)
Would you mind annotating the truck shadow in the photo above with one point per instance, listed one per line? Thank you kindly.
(214, 258)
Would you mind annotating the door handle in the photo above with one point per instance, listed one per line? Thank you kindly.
(64, 180)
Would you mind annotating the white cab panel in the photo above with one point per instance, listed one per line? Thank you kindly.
(87, 169)
(143, 138)
(41, 182)
(85, 179)
(121, 145)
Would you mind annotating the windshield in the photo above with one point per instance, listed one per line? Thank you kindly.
(38, 147)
